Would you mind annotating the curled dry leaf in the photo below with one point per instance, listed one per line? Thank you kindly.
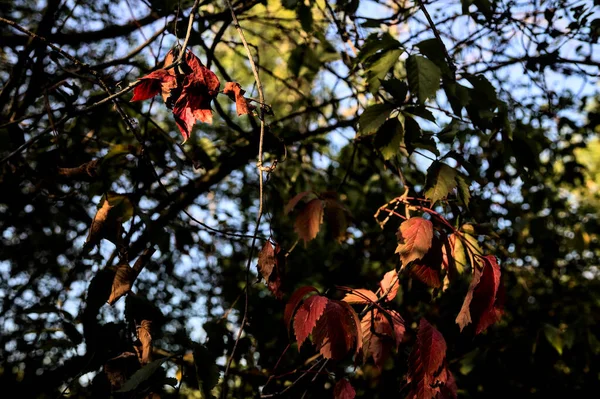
(122, 283)
(343, 390)
(145, 337)
(85, 172)
(266, 260)
(414, 239)
(390, 285)
(235, 92)
(188, 91)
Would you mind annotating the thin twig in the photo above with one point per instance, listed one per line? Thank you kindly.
(261, 169)
(438, 37)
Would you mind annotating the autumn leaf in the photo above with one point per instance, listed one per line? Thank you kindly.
(377, 336)
(482, 304)
(114, 209)
(427, 371)
(390, 284)
(187, 92)
(266, 260)
(145, 337)
(343, 390)
(120, 368)
(307, 316)
(414, 239)
(427, 270)
(122, 283)
(360, 296)
(336, 215)
(336, 332)
(235, 92)
(294, 301)
(294, 201)
(309, 220)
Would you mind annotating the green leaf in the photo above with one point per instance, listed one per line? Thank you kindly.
(423, 77)
(305, 16)
(441, 180)
(379, 68)
(373, 117)
(142, 375)
(375, 43)
(458, 96)
(447, 134)
(390, 139)
(464, 195)
(207, 372)
(396, 88)
(433, 49)
(554, 337)
(412, 131)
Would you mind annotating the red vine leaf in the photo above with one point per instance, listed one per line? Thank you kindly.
(360, 296)
(307, 316)
(266, 260)
(343, 390)
(380, 331)
(336, 332)
(391, 283)
(188, 94)
(337, 215)
(235, 92)
(483, 302)
(274, 281)
(414, 239)
(427, 270)
(294, 301)
(309, 220)
(427, 371)
(398, 326)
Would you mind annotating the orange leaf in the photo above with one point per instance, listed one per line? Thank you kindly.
(309, 220)
(234, 91)
(294, 201)
(360, 296)
(414, 239)
(390, 284)
(266, 260)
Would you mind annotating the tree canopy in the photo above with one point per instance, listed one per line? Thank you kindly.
(299, 198)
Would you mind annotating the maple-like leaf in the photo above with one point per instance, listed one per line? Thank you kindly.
(159, 81)
(307, 316)
(145, 337)
(336, 332)
(294, 301)
(414, 239)
(360, 296)
(266, 260)
(309, 220)
(343, 390)
(483, 302)
(427, 372)
(235, 92)
(389, 284)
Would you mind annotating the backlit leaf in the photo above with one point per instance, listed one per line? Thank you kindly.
(266, 260)
(373, 118)
(423, 77)
(360, 296)
(294, 301)
(307, 315)
(414, 239)
(441, 180)
(309, 220)
(336, 333)
(389, 284)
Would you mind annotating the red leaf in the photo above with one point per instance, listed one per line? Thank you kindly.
(398, 326)
(427, 371)
(294, 201)
(414, 239)
(483, 301)
(309, 220)
(335, 333)
(360, 296)
(274, 281)
(427, 270)
(294, 301)
(343, 390)
(234, 91)
(307, 315)
(378, 337)
(390, 282)
(357, 326)
(486, 294)
(337, 216)
(266, 260)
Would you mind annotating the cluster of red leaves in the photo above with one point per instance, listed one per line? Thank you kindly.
(315, 207)
(334, 325)
(343, 390)
(428, 373)
(382, 329)
(485, 297)
(188, 90)
(271, 263)
(426, 254)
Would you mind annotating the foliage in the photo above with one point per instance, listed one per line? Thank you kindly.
(382, 199)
